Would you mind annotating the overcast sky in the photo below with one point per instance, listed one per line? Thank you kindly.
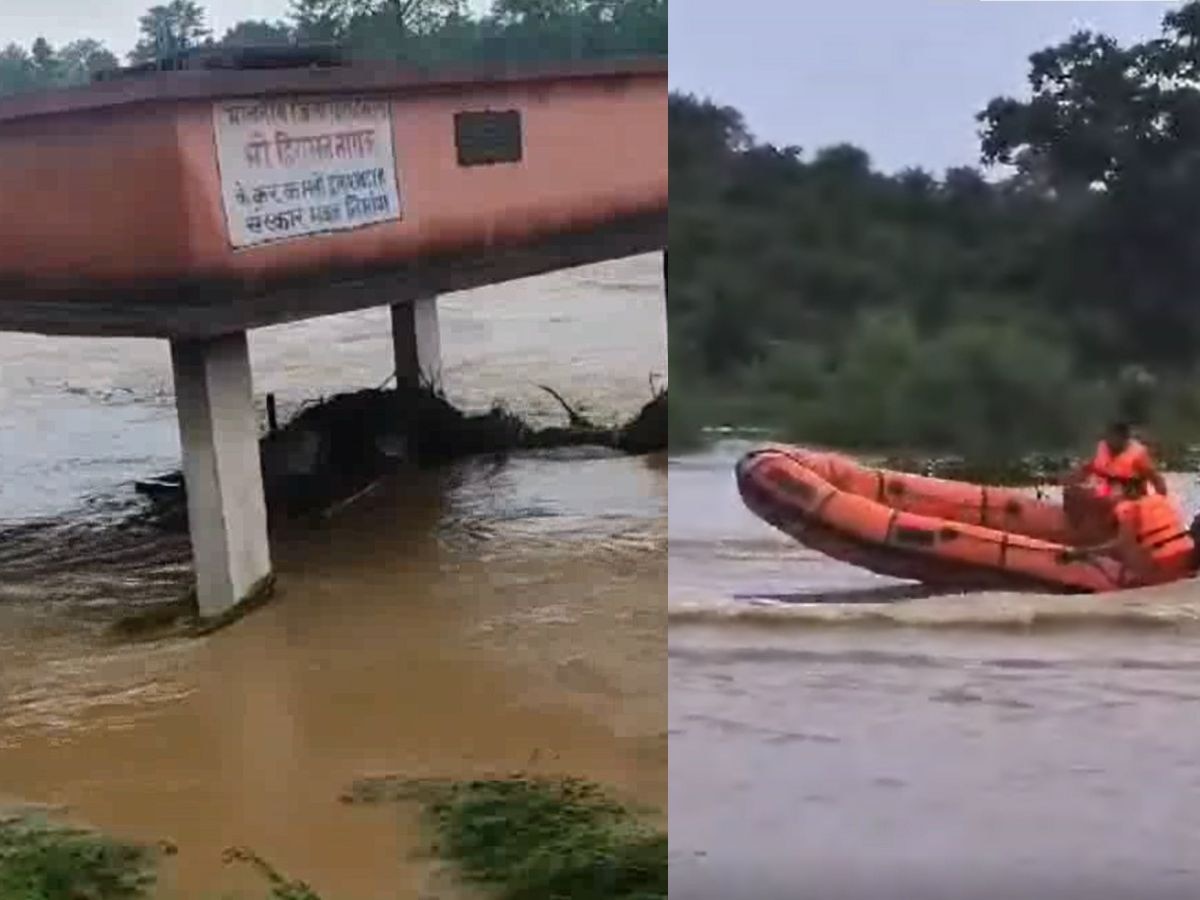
(115, 21)
(900, 78)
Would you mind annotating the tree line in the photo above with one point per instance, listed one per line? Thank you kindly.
(424, 32)
(992, 309)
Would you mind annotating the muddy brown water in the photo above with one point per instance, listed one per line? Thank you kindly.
(829, 738)
(486, 618)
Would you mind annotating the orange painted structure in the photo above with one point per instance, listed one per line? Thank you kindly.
(931, 530)
(112, 219)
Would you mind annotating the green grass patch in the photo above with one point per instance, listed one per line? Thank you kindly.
(43, 861)
(40, 861)
(537, 839)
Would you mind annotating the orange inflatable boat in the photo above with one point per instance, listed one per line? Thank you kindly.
(939, 532)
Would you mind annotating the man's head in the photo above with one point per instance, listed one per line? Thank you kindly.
(1118, 436)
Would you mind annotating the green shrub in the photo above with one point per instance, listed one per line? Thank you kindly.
(530, 839)
(39, 861)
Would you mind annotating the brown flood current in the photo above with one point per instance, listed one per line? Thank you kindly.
(487, 618)
(833, 735)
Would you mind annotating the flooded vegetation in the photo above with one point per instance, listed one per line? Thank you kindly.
(536, 839)
(42, 861)
(494, 614)
(515, 838)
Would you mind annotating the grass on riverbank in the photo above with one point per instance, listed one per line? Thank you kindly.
(40, 861)
(535, 839)
(517, 838)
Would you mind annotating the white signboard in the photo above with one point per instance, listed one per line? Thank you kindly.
(294, 167)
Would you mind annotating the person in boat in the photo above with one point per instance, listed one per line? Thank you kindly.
(1121, 461)
(1091, 491)
(1150, 539)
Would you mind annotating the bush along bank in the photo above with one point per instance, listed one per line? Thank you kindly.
(41, 860)
(535, 839)
(515, 838)
(888, 394)
(44, 861)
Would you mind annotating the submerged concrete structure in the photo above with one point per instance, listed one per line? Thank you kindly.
(221, 468)
(195, 205)
(417, 342)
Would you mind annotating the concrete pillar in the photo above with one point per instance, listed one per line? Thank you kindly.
(417, 344)
(227, 512)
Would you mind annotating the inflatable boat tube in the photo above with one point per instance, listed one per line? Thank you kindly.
(939, 532)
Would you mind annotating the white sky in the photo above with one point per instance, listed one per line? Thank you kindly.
(902, 79)
(114, 22)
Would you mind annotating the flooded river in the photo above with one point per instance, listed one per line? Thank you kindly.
(831, 740)
(482, 619)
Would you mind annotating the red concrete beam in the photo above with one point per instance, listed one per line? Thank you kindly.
(187, 203)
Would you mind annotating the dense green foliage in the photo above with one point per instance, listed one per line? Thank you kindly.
(424, 32)
(984, 315)
(550, 841)
(534, 839)
(39, 861)
(518, 838)
(44, 861)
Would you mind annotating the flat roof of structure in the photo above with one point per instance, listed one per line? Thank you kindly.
(360, 78)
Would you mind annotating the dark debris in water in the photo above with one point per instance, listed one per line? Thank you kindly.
(333, 450)
(132, 561)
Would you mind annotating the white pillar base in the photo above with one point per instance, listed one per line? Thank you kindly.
(227, 513)
(417, 343)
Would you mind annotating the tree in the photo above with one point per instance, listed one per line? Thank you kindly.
(700, 131)
(1115, 133)
(44, 67)
(534, 10)
(843, 161)
(859, 308)
(46, 62)
(1101, 113)
(168, 29)
(17, 70)
(429, 32)
(252, 32)
(82, 60)
(387, 28)
(917, 182)
(415, 16)
(319, 20)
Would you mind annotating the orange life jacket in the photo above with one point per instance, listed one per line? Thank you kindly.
(1159, 533)
(1117, 470)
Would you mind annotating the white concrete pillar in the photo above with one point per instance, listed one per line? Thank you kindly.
(417, 343)
(227, 513)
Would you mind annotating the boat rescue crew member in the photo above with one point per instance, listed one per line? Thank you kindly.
(1120, 462)
(1151, 539)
